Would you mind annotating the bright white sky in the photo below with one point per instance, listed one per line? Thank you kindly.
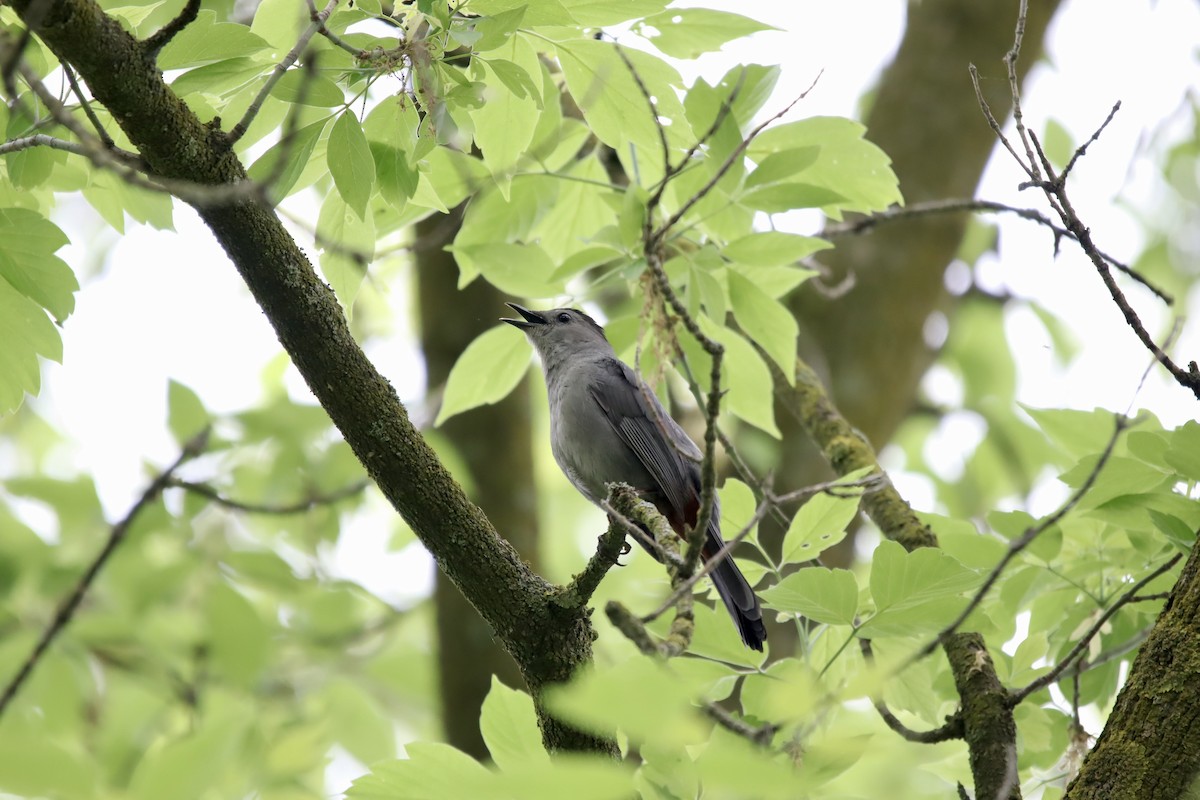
(170, 305)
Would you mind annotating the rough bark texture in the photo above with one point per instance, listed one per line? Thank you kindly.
(1150, 747)
(494, 443)
(988, 724)
(549, 644)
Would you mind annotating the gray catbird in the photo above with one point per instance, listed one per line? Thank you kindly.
(606, 427)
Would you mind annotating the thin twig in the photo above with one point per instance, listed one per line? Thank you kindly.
(952, 729)
(1016, 546)
(732, 159)
(116, 535)
(609, 548)
(860, 225)
(154, 43)
(760, 735)
(1034, 163)
(1017, 695)
(313, 500)
(42, 140)
(239, 130)
(867, 483)
(87, 107)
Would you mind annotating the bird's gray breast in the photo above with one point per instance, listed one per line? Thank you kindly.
(583, 441)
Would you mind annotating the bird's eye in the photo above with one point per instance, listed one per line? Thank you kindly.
(564, 317)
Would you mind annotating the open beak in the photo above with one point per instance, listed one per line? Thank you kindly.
(531, 318)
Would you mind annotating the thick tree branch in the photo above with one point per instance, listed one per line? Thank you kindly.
(548, 644)
(1149, 749)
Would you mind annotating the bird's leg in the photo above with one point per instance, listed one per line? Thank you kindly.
(625, 545)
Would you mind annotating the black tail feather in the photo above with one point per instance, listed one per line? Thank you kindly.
(741, 602)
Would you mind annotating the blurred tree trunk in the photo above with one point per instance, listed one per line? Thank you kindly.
(869, 344)
(494, 443)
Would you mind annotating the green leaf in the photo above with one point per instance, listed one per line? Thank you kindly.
(30, 168)
(1120, 476)
(358, 721)
(578, 776)
(602, 13)
(510, 728)
(916, 592)
(523, 270)
(432, 771)
(239, 641)
(746, 378)
(612, 103)
(298, 86)
(27, 261)
(35, 766)
(27, 333)
(516, 78)
(656, 705)
(784, 164)
(219, 78)
(505, 123)
(350, 162)
(737, 507)
(396, 176)
(773, 248)
(1184, 451)
(779, 197)
(296, 153)
(687, 33)
(542, 12)
(900, 578)
(766, 321)
(486, 372)
(496, 29)
(825, 595)
(191, 765)
(849, 165)
(818, 525)
(279, 22)
(186, 415)
(348, 246)
(1056, 142)
(1079, 433)
(206, 40)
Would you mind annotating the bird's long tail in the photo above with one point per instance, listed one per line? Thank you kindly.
(736, 592)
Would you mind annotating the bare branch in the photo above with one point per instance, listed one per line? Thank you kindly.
(159, 39)
(862, 224)
(318, 20)
(1016, 546)
(42, 140)
(87, 107)
(116, 535)
(660, 234)
(953, 729)
(609, 548)
(1054, 188)
(1017, 695)
(313, 500)
(760, 735)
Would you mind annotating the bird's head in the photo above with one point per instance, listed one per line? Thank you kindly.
(560, 334)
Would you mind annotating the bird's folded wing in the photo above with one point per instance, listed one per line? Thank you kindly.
(641, 422)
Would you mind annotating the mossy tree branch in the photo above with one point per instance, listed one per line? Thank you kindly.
(547, 643)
